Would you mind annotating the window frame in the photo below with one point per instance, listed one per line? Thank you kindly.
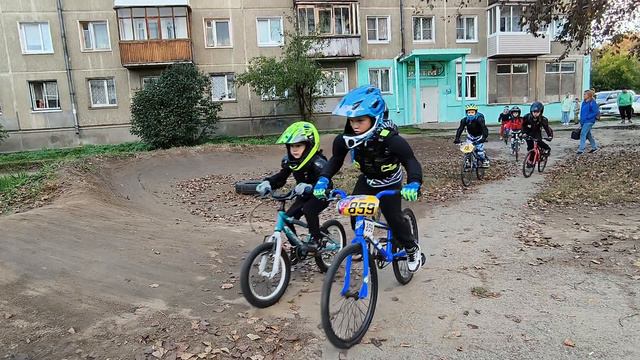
(34, 105)
(155, 18)
(512, 24)
(433, 29)
(23, 38)
(106, 89)
(271, 43)
(334, 93)
(83, 48)
(215, 38)
(380, 70)
(377, 18)
(469, 75)
(226, 84)
(511, 65)
(465, 29)
(560, 71)
(143, 78)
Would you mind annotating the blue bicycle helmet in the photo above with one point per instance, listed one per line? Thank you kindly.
(362, 101)
(537, 106)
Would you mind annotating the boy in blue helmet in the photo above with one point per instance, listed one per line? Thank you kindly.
(378, 151)
(533, 124)
(477, 132)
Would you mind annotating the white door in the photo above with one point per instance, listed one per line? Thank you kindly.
(429, 104)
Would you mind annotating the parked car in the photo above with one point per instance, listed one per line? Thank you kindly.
(611, 108)
(603, 97)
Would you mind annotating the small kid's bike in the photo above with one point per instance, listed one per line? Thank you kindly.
(350, 288)
(470, 164)
(534, 157)
(266, 271)
(515, 142)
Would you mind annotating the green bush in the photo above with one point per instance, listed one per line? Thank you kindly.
(175, 111)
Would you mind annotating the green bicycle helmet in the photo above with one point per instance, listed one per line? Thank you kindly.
(300, 132)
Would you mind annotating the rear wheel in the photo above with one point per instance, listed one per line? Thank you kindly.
(261, 288)
(542, 164)
(400, 267)
(334, 239)
(528, 166)
(466, 171)
(346, 317)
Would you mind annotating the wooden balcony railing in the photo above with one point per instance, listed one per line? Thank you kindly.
(140, 53)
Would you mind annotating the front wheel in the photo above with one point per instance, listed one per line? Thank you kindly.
(346, 315)
(516, 148)
(479, 170)
(334, 238)
(400, 267)
(466, 171)
(529, 165)
(260, 286)
(542, 163)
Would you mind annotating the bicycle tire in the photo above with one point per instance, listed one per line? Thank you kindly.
(245, 274)
(325, 301)
(324, 229)
(542, 164)
(527, 171)
(479, 171)
(404, 276)
(466, 169)
(516, 149)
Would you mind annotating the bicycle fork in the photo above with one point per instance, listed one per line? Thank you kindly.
(360, 240)
(276, 239)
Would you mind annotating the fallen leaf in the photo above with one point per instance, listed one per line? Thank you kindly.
(472, 326)
(595, 262)
(202, 355)
(71, 331)
(405, 345)
(569, 342)
(257, 357)
(253, 337)
(226, 286)
(154, 285)
(186, 356)
(225, 350)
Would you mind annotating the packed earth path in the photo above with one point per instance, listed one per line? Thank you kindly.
(140, 261)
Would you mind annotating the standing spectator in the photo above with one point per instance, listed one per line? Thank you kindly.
(576, 110)
(625, 106)
(566, 109)
(589, 113)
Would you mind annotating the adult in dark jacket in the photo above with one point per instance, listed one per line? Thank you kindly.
(532, 126)
(477, 131)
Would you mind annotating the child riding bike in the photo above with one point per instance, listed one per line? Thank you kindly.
(477, 132)
(378, 151)
(305, 161)
(532, 126)
(504, 119)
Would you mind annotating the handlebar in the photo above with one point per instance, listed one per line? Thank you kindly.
(337, 194)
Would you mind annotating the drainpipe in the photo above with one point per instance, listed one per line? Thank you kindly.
(395, 59)
(67, 65)
(402, 26)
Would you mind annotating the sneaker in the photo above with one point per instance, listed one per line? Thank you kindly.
(580, 153)
(313, 245)
(414, 258)
(485, 164)
(593, 150)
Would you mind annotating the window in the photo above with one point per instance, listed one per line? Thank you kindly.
(423, 29)
(342, 20)
(556, 28)
(271, 95)
(95, 35)
(511, 18)
(223, 87)
(492, 15)
(153, 23)
(149, 80)
(381, 79)
(324, 21)
(466, 29)
(512, 83)
(35, 38)
(471, 86)
(307, 20)
(102, 92)
(270, 31)
(218, 33)
(44, 95)
(340, 87)
(378, 29)
(560, 78)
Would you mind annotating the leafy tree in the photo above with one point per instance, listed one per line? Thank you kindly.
(614, 71)
(177, 110)
(294, 77)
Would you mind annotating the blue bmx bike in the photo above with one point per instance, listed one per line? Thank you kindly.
(350, 288)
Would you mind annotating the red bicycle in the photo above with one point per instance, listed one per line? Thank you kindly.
(534, 157)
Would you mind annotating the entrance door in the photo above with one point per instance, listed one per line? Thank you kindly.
(429, 104)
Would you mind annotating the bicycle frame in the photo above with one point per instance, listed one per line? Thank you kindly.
(386, 252)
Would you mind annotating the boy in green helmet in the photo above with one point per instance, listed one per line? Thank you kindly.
(305, 160)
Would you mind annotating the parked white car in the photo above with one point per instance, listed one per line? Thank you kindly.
(611, 108)
(605, 97)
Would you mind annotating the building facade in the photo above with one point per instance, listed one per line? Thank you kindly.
(69, 68)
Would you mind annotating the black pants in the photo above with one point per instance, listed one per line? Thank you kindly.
(541, 144)
(391, 207)
(626, 112)
(310, 207)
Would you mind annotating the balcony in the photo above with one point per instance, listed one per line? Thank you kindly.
(517, 44)
(150, 53)
(338, 47)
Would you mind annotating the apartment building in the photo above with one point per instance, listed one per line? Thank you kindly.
(69, 68)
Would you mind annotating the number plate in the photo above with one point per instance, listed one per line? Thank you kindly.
(369, 227)
(359, 205)
(467, 148)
